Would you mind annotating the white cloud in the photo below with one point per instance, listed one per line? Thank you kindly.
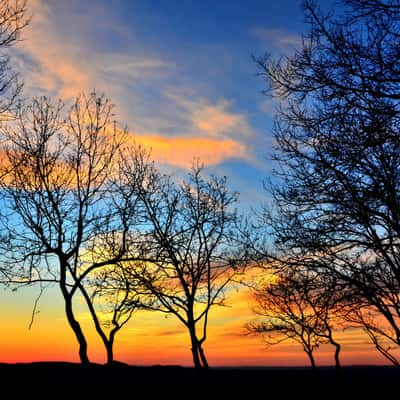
(130, 67)
(212, 119)
(277, 38)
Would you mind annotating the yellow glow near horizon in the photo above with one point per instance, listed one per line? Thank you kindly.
(151, 338)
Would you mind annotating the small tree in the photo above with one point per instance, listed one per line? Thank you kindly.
(115, 296)
(297, 306)
(61, 212)
(190, 250)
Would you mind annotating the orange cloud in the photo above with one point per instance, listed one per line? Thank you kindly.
(181, 151)
(214, 119)
(67, 66)
(175, 151)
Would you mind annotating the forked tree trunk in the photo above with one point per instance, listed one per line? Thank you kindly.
(195, 350)
(385, 352)
(387, 355)
(199, 358)
(107, 341)
(69, 312)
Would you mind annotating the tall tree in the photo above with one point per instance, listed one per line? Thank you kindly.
(191, 251)
(337, 134)
(61, 214)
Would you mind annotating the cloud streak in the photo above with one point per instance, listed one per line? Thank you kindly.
(277, 38)
(181, 151)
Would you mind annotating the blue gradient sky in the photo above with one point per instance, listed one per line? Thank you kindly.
(176, 70)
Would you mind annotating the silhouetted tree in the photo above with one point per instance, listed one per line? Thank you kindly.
(294, 304)
(191, 252)
(61, 211)
(114, 295)
(337, 133)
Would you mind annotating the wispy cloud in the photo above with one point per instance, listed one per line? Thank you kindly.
(122, 66)
(269, 107)
(276, 38)
(45, 64)
(172, 332)
(64, 67)
(211, 119)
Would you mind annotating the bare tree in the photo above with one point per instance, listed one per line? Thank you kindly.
(296, 305)
(115, 296)
(190, 249)
(337, 131)
(62, 218)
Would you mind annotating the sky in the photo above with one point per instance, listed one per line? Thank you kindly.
(182, 77)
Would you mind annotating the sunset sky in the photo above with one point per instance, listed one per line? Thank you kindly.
(183, 80)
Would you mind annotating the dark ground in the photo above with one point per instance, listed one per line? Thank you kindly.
(59, 373)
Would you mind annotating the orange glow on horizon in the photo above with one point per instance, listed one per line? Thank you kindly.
(150, 338)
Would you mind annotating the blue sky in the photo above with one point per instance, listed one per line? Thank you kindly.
(180, 73)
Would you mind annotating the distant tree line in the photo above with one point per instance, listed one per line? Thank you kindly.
(86, 210)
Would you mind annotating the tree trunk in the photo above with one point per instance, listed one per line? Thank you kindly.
(108, 342)
(202, 356)
(382, 350)
(337, 352)
(75, 326)
(73, 323)
(333, 342)
(311, 358)
(195, 348)
(110, 353)
(110, 346)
